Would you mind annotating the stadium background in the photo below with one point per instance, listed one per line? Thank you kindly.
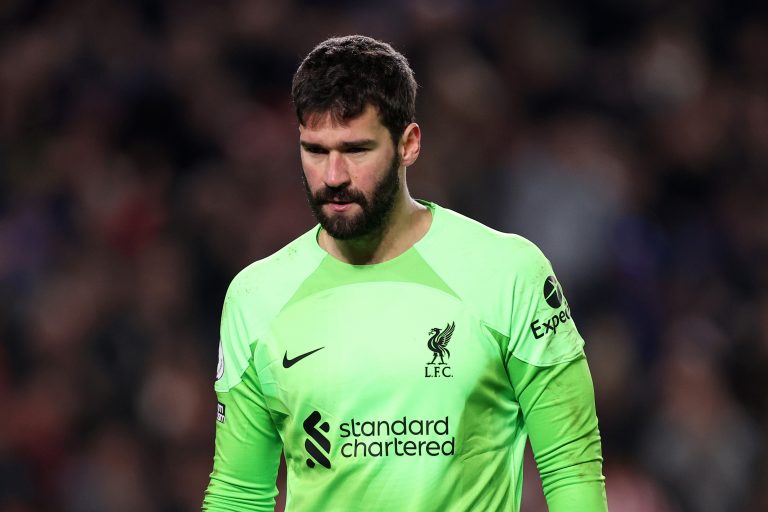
(148, 152)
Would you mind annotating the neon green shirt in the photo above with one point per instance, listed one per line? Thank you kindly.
(413, 384)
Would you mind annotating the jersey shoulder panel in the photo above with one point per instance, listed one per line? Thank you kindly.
(255, 297)
(482, 243)
(480, 263)
(265, 279)
(510, 285)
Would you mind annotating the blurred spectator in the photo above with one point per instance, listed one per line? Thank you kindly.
(699, 441)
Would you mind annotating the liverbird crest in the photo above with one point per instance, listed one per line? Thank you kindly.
(438, 342)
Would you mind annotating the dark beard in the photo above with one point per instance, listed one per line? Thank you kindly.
(374, 214)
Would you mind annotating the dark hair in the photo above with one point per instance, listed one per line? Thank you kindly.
(343, 75)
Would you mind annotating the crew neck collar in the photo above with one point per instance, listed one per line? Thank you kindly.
(434, 210)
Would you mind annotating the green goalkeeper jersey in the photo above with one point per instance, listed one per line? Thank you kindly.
(409, 385)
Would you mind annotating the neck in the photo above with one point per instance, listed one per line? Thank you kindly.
(408, 223)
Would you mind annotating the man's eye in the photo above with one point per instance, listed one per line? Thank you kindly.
(356, 150)
(315, 151)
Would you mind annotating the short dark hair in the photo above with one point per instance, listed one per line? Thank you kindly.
(343, 75)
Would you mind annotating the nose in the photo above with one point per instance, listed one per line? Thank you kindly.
(337, 172)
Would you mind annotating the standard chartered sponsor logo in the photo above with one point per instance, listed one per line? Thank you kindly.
(402, 437)
(318, 435)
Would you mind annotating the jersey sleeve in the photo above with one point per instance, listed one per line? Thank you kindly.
(550, 376)
(248, 445)
(559, 411)
(542, 331)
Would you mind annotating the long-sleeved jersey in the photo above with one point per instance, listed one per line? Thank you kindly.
(412, 384)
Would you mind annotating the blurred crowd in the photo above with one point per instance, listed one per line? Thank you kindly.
(148, 152)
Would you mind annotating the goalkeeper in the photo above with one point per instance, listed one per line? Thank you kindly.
(400, 354)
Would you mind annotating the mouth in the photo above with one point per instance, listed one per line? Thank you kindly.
(340, 206)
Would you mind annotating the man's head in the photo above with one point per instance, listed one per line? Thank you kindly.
(354, 99)
(342, 75)
(351, 195)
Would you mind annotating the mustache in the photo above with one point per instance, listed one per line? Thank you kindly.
(339, 195)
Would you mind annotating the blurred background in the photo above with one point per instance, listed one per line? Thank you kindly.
(148, 152)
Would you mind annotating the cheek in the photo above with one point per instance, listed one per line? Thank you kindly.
(311, 172)
(369, 175)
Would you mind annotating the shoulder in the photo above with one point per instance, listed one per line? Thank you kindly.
(488, 247)
(269, 276)
(485, 267)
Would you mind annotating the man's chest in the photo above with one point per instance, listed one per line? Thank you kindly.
(368, 346)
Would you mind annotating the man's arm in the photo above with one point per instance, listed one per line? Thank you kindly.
(247, 451)
(248, 445)
(559, 410)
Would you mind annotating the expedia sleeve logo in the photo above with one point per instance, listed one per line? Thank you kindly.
(553, 292)
(553, 295)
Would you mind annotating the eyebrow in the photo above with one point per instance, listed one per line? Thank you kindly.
(342, 146)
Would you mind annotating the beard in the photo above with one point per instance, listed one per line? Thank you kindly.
(374, 213)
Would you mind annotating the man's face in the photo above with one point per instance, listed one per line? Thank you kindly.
(351, 173)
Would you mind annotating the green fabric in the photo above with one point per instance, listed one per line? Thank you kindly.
(559, 413)
(415, 382)
(247, 452)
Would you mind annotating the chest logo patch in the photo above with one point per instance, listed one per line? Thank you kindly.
(288, 362)
(319, 436)
(220, 365)
(438, 344)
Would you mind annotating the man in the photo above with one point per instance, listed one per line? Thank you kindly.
(399, 353)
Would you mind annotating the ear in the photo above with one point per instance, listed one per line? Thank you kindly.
(410, 144)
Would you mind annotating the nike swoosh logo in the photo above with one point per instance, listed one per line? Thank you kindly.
(287, 363)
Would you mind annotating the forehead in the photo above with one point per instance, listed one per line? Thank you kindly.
(325, 129)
